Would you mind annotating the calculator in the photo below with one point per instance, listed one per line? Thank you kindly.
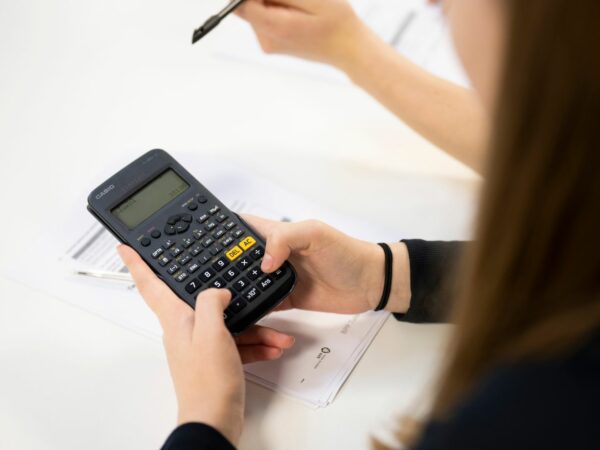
(189, 238)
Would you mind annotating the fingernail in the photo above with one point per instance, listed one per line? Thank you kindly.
(267, 262)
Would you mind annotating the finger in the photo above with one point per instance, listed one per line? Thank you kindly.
(161, 300)
(270, 337)
(273, 20)
(285, 238)
(210, 305)
(255, 353)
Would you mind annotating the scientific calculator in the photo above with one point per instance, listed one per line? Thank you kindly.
(189, 238)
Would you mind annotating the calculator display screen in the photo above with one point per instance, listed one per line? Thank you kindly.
(150, 198)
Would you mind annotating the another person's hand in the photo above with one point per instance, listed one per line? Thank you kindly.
(205, 365)
(336, 273)
(325, 31)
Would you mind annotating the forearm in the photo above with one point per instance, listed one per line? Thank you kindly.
(449, 116)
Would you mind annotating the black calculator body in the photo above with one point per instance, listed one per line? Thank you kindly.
(189, 238)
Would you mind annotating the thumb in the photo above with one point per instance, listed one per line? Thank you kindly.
(210, 305)
(285, 238)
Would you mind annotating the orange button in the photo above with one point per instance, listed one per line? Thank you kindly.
(233, 253)
(247, 242)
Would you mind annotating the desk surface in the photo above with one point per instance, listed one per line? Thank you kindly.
(85, 82)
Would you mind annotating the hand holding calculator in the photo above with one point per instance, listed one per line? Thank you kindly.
(190, 239)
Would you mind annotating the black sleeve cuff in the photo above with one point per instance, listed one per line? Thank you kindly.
(432, 274)
(197, 436)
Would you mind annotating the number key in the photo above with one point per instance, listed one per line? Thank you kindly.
(241, 284)
(220, 263)
(218, 283)
(193, 286)
(231, 273)
(207, 274)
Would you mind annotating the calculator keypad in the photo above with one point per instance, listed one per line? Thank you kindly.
(207, 248)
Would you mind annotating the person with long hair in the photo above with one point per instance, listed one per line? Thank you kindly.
(523, 366)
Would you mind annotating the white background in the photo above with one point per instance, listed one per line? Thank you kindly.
(83, 83)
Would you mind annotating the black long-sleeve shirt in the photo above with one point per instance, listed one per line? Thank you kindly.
(549, 405)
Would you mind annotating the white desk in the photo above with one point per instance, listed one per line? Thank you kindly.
(82, 82)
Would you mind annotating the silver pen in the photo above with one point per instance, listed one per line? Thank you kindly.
(105, 275)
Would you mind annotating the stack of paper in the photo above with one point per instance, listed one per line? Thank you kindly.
(328, 346)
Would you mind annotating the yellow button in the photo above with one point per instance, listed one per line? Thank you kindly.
(247, 242)
(233, 253)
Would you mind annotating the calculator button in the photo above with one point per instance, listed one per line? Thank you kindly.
(203, 218)
(168, 244)
(207, 274)
(173, 219)
(254, 273)
(145, 242)
(220, 263)
(193, 206)
(156, 253)
(198, 234)
(164, 260)
(185, 259)
(208, 242)
(187, 218)
(265, 283)
(244, 263)
(173, 268)
(193, 267)
(241, 284)
(215, 209)
(218, 283)
(257, 253)
(229, 225)
(237, 305)
(221, 217)
(215, 250)
(202, 199)
(237, 233)
(247, 242)
(233, 253)
(231, 273)
(181, 276)
(182, 227)
(175, 251)
(155, 234)
(219, 233)
(210, 225)
(193, 286)
(196, 250)
(279, 273)
(187, 242)
(204, 259)
(226, 242)
(251, 294)
(170, 230)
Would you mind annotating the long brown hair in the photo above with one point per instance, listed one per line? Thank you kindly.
(531, 286)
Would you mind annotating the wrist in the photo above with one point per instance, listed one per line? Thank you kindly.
(399, 299)
(360, 51)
